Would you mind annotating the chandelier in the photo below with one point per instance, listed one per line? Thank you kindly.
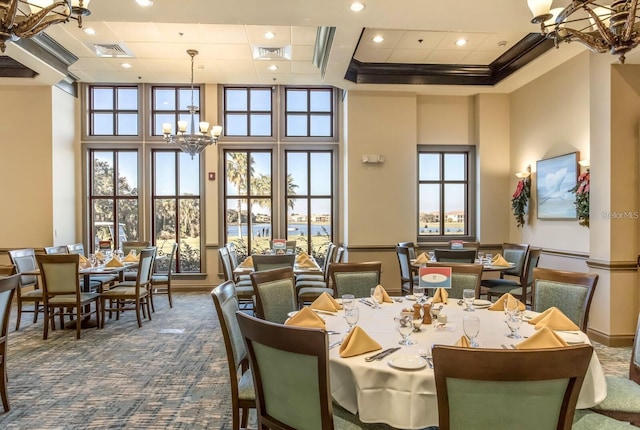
(600, 28)
(24, 19)
(193, 143)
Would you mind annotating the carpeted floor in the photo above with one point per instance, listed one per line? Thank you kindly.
(171, 373)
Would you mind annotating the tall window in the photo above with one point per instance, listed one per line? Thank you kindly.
(445, 190)
(309, 112)
(113, 111)
(176, 207)
(248, 111)
(113, 196)
(248, 200)
(309, 198)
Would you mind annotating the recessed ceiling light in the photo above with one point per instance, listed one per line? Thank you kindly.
(378, 39)
(461, 42)
(356, 6)
(145, 3)
(89, 31)
(273, 67)
(125, 65)
(269, 35)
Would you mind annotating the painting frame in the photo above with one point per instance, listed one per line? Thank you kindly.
(555, 177)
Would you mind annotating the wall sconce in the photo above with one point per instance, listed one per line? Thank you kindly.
(372, 159)
(525, 174)
(585, 163)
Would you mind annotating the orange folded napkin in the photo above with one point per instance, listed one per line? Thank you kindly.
(422, 259)
(325, 302)
(499, 261)
(554, 319)
(381, 295)
(83, 259)
(463, 342)
(306, 263)
(303, 256)
(130, 258)
(441, 296)
(499, 305)
(114, 262)
(100, 256)
(247, 263)
(357, 342)
(306, 318)
(545, 338)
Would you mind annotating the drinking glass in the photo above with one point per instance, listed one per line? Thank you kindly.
(347, 301)
(514, 321)
(432, 256)
(405, 328)
(92, 260)
(376, 305)
(418, 292)
(510, 307)
(471, 327)
(352, 314)
(435, 312)
(488, 257)
(468, 296)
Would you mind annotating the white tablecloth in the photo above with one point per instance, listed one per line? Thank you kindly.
(406, 399)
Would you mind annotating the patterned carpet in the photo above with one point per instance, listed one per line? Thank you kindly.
(171, 373)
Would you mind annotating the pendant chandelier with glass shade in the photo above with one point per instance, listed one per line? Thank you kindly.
(196, 142)
(21, 19)
(600, 27)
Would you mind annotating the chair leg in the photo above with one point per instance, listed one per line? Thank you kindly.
(36, 308)
(19, 314)
(171, 301)
(3, 384)
(47, 318)
(138, 305)
(78, 323)
(148, 307)
(153, 307)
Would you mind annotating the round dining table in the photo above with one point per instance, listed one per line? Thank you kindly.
(400, 389)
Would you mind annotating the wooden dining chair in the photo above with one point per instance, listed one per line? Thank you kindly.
(290, 368)
(8, 287)
(407, 277)
(571, 292)
(104, 280)
(61, 249)
(520, 288)
(275, 294)
(487, 389)
(127, 247)
(29, 291)
(161, 281)
(411, 247)
(355, 278)
(243, 395)
(243, 287)
(456, 255)
(463, 277)
(311, 286)
(62, 293)
(268, 262)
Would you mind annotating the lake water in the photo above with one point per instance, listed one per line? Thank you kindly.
(262, 230)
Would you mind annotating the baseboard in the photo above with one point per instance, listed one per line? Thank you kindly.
(609, 340)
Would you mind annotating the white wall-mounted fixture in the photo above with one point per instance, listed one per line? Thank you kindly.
(524, 174)
(372, 159)
(585, 163)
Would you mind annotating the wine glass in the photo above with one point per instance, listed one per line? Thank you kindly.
(471, 327)
(418, 292)
(510, 307)
(435, 312)
(468, 296)
(488, 257)
(432, 256)
(347, 301)
(374, 299)
(351, 314)
(92, 260)
(405, 328)
(514, 321)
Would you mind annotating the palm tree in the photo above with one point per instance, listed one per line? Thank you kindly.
(238, 169)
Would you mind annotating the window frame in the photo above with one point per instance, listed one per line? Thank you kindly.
(470, 181)
(87, 113)
(273, 112)
(150, 115)
(333, 114)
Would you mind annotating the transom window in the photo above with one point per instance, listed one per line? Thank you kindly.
(445, 190)
(309, 112)
(113, 111)
(248, 111)
(170, 105)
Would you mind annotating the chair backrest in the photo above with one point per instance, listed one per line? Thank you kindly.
(24, 260)
(226, 263)
(526, 280)
(268, 262)
(463, 277)
(339, 255)
(290, 371)
(634, 367)
(412, 248)
(233, 255)
(76, 248)
(328, 258)
(571, 292)
(529, 394)
(463, 244)
(404, 258)
(456, 255)
(130, 245)
(172, 257)
(275, 292)
(515, 253)
(355, 278)
(59, 274)
(145, 266)
(226, 304)
(290, 244)
(8, 288)
(51, 250)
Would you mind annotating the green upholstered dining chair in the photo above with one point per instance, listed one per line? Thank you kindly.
(571, 292)
(463, 277)
(275, 293)
(62, 293)
(355, 278)
(408, 278)
(487, 389)
(127, 247)
(161, 281)
(411, 247)
(311, 286)
(623, 394)
(520, 288)
(243, 286)
(586, 419)
(456, 255)
(8, 287)
(268, 262)
(104, 280)
(243, 395)
(290, 368)
(24, 260)
(515, 253)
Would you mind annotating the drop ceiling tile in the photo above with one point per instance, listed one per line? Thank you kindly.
(368, 55)
(480, 57)
(411, 39)
(262, 67)
(391, 38)
(491, 42)
(228, 34)
(302, 53)
(473, 41)
(305, 67)
(303, 35)
(256, 35)
(443, 56)
(410, 56)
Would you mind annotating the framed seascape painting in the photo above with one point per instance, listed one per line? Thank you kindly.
(555, 177)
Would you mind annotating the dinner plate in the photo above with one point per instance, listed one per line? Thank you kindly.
(291, 314)
(410, 297)
(572, 338)
(529, 315)
(407, 362)
(479, 303)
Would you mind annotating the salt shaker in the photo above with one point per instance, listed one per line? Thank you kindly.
(426, 318)
(416, 311)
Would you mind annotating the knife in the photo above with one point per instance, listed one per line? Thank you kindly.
(366, 302)
(381, 355)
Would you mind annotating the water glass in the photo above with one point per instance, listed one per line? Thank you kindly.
(432, 256)
(405, 328)
(488, 257)
(352, 314)
(418, 292)
(514, 321)
(92, 260)
(348, 301)
(471, 327)
(435, 312)
(468, 296)
(376, 305)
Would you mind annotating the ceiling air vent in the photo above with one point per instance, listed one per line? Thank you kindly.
(111, 50)
(264, 53)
